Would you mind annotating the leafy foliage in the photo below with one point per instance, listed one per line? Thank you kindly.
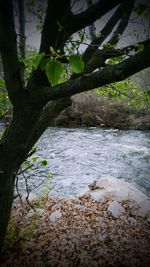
(30, 168)
(29, 62)
(34, 162)
(54, 71)
(37, 60)
(76, 63)
(129, 92)
(52, 65)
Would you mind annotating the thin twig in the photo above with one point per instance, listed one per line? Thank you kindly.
(24, 170)
(31, 152)
(27, 190)
(17, 189)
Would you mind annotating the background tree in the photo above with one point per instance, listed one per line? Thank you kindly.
(45, 94)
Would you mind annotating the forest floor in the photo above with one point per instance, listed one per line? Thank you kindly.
(81, 233)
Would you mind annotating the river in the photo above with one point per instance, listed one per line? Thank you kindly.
(78, 156)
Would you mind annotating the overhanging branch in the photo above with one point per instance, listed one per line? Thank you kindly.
(112, 52)
(50, 112)
(127, 10)
(103, 34)
(93, 13)
(97, 79)
(96, 58)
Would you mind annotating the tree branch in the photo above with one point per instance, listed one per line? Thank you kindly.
(93, 13)
(129, 48)
(97, 59)
(127, 10)
(21, 21)
(103, 34)
(92, 28)
(97, 79)
(8, 49)
(55, 29)
(49, 113)
(112, 52)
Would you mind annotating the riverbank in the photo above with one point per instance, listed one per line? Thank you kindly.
(90, 110)
(81, 231)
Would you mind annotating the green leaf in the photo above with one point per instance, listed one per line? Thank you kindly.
(44, 63)
(77, 64)
(34, 159)
(37, 60)
(44, 162)
(54, 71)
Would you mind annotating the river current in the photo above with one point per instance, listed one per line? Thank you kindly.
(78, 156)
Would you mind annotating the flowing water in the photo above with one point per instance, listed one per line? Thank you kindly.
(78, 156)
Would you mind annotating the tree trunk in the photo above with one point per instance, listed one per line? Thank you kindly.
(6, 199)
(23, 132)
(15, 145)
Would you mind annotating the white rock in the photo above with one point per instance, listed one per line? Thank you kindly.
(115, 209)
(119, 190)
(55, 216)
(31, 198)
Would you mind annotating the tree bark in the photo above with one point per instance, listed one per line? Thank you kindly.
(21, 21)
(23, 132)
(15, 145)
(6, 198)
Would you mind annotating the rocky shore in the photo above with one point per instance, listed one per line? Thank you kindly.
(107, 224)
